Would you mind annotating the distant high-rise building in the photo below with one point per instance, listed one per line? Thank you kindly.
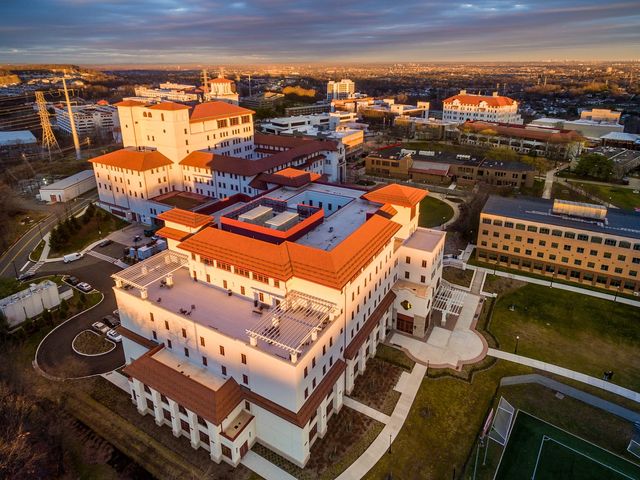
(490, 108)
(340, 90)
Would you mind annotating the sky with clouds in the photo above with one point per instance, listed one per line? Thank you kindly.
(206, 31)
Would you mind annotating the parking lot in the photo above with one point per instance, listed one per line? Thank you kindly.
(55, 356)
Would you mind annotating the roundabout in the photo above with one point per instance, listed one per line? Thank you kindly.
(91, 344)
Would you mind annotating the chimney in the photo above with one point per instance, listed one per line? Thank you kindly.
(463, 92)
(495, 94)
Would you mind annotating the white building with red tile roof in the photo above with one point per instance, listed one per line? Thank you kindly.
(221, 89)
(490, 108)
(257, 320)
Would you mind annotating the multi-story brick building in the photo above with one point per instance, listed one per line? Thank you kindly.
(256, 322)
(584, 243)
(444, 168)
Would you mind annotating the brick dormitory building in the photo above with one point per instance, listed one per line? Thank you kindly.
(444, 168)
(584, 243)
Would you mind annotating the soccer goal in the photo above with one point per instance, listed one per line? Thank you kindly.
(634, 444)
(502, 421)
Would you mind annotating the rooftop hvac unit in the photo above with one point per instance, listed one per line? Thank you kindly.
(579, 209)
(257, 216)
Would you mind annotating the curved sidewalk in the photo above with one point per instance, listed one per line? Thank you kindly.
(380, 445)
(565, 372)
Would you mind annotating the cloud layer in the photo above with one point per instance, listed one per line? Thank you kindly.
(204, 31)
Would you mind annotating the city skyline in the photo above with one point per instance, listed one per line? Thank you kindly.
(198, 31)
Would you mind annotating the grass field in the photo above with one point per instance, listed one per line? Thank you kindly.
(89, 233)
(541, 451)
(563, 192)
(434, 212)
(458, 276)
(583, 333)
(442, 424)
(619, 196)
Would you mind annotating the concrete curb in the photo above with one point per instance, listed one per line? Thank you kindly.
(91, 354)
(35, 359)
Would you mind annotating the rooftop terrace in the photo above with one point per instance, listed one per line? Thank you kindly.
(285, 331)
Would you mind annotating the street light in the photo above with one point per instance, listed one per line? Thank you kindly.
(516, 349)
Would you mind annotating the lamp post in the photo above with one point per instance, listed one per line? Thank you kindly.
(517, 340)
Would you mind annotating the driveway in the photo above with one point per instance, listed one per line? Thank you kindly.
(55, 355)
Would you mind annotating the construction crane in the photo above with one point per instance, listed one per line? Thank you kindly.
(48, 138)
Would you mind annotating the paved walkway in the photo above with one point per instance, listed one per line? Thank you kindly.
(448, 348)
(565, 372)
(107, 258)
(118, 379)
(549, 179)
(562, 286)
(264, 468)
(585, 397)
(367, 410)
(477, 282)
(380, 445)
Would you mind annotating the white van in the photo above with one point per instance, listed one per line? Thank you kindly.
(72, 257)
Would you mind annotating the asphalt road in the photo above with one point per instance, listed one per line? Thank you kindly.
(55, 355)
(18, 254)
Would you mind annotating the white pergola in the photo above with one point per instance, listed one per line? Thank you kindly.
(294, 323)
(158, 267)
(449, 299)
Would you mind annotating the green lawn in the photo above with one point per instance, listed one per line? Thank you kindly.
(458, 276)
(34, 256)
(582, 333)
(562, 192)
(442, 425)
(434, 212)
(539, 450)
(90, 232)
(619, 196)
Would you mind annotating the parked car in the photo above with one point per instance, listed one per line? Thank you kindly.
(110, 320)
(84, 286)
(149, 232)
(100, 327)
(105, 243)
(137, 238)
(115, 336)
(72, 257)
(71, 280)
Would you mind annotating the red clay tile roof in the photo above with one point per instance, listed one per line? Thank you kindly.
(220, 80)
(172, 233)
(185, 217)
(129, 103)
(395, 194)
(279, 140)
(478, 99)
(198, 159)
(289, 177)
(213, 405)
(138, 160)
(170, 106)
(133, 336)
(216, 109)
(521, 131)
(332, 268)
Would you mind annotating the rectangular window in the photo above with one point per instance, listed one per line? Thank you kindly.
(184, 333)
(186, 352)
(202, 341)
(223, 369)
(151, 316)
(221, 350)
(205, 361)
(166, 324)
(245, 379)
(243, 358)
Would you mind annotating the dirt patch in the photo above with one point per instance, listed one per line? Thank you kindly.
(91, 343)
(375, 386)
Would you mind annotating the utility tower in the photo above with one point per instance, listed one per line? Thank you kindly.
(72, 122)
(48, 138)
